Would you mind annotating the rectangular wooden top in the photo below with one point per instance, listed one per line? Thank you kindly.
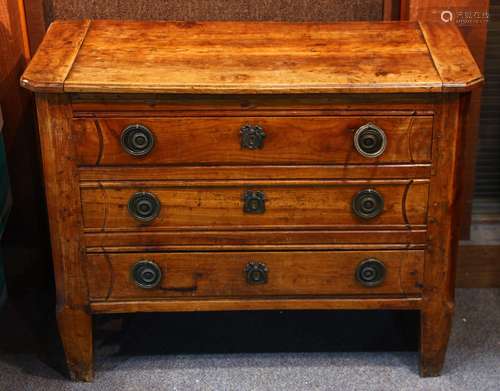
(251, 57)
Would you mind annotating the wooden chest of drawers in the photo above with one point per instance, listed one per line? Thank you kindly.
(229, 166)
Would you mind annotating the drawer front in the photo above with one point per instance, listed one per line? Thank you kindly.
(115, 206)
(237, 274)
(253, 140)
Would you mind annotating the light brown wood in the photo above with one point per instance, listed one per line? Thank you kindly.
(474, 31)
(232, 57)
(439, 269)
(24, 29)
(457, 67)
(55, 56)
(345, 303)
(288, 140)
(308, 235)
(219, 205)
(223, 274)
(275, 172)
(63, 204)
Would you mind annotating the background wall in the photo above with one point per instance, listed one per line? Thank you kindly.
(296, 10)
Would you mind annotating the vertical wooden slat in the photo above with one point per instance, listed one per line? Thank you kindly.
(388, 9)
(404, 9)
(24, 30)
(35, 22)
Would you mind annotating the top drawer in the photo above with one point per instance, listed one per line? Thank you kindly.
(253, 140)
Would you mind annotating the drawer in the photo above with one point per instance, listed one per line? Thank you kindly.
(233, 205)
(253, 140)
(212, 274)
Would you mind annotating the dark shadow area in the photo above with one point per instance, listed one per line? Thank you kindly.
(263, 331)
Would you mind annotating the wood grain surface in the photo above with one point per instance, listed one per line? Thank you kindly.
(219, 205)
(238, 57)
(288, 140)
(308, 235)
(222, 274)
(250, 239)
(407, 302)
(63, 204)
(55, 57)
(326, 171)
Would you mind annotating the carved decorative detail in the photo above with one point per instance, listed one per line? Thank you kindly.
(252, 136)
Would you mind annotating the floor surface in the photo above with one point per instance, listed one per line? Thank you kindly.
(140, 359)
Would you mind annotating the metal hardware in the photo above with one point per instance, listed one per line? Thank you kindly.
(370, 140)
(368, 204)
(137, 140)
(370, 272)
(144, 206)
(256, 273)
(252, 136)
(146, 274)
(254, 202)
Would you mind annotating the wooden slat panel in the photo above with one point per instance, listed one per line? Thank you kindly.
(35, 18)
(451, 56)
(137, 173)
(229, 240)
(293, 58)
(180, 305)
(55, 56)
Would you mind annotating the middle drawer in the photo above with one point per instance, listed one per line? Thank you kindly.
(209, 205)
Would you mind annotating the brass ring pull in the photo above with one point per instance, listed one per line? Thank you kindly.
(370, 140)
(144, 206)
(137, 140)
(368, 204)
(146, 274)
(370, 272)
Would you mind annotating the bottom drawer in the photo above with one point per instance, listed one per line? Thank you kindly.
(246, 274)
